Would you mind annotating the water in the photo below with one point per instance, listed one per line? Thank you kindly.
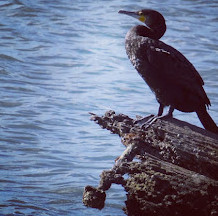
(60, 60)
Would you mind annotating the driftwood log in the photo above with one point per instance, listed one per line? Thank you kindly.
(176, 172)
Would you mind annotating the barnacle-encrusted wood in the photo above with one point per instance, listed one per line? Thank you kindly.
(177, 173)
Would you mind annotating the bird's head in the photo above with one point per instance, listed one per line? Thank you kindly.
(151, 18)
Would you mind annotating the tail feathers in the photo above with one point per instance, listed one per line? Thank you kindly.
(207, 121)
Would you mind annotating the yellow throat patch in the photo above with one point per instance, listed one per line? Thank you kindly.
(142, 18)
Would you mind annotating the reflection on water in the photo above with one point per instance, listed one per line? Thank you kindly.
(60, 60)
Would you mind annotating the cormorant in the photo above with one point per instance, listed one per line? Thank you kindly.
(169, 74)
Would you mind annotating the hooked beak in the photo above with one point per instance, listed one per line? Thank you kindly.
(129, 13)
(133, 14)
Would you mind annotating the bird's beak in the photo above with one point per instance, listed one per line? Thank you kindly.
(129, 13)
(133, 14)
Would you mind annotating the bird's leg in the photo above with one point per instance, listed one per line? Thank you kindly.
(145, 120)
(170, 112)
(153, 118)
(159, 116)
(160, 110)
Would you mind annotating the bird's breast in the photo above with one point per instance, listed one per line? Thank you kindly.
(136, 49)
(134, 52)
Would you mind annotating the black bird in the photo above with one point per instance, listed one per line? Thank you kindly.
(169, 74)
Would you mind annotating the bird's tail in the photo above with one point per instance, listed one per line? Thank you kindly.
(207, 121)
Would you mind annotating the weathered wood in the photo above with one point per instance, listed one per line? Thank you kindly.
(178, 169)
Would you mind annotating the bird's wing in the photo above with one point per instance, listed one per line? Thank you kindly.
(173, 68)
(172, 63)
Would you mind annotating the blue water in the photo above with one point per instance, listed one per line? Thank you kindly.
(60, 60)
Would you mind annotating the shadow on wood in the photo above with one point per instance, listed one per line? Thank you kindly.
(177, 172)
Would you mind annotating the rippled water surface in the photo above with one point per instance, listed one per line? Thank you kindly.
(60, 60)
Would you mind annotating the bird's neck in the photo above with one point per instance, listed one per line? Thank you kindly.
(155, 33)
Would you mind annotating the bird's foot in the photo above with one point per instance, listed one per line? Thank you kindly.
(152, 119)
(142, 120)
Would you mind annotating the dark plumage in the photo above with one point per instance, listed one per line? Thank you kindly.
(173, 79)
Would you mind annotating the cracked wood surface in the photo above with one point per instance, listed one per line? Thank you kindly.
(177, 173)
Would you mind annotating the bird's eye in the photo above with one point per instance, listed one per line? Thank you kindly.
(140, 13)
